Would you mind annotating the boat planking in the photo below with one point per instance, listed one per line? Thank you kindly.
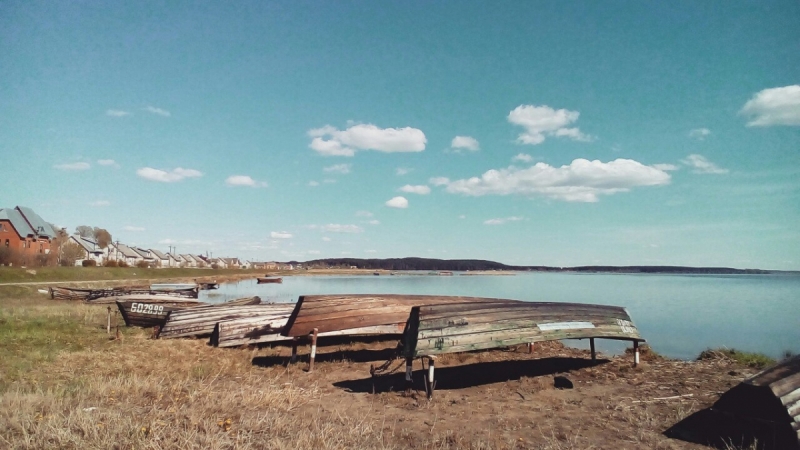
(351, 313)
(89, 295)
(461, 327)
(251, 330)
(200, 322)
(264, 280)
(147, 311)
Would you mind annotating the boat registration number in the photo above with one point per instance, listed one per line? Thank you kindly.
(147, 308)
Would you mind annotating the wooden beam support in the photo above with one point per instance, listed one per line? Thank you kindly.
(591, 345)
(431, 382)
(313, 349)
(635, 353)
(294, 350)
(108, 321)
(409, 381)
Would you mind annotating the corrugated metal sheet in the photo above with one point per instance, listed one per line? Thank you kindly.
(40, 227)
(460, 327)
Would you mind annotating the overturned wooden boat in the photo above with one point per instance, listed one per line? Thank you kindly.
(199, 322)
(151, 311)
(461, 327)
(259, 329)
(359, 313)
(64, 293)
(262, 280)
(91, 295)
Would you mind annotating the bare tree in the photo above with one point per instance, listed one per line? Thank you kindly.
(102, 237)
(70, 252)
(85, 231)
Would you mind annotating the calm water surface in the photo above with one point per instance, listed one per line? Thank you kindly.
(679, 315)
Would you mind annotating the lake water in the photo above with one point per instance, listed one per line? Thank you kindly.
(679, 315)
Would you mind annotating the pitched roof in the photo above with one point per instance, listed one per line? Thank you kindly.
(17, 221)
(87, 244)
(127, 251)
(142, 252)
(38, 224)
(158, 254)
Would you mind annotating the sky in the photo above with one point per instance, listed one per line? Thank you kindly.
(529, 133)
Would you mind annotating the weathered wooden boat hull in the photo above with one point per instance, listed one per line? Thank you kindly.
(148, 314)
(460, 327)
(347, 312)
(264, 330)
(91, 295)
(172, 286)
(263, 280)
(160, 297)
(201, 321)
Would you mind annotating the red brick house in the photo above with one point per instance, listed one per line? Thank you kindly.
(24, 232)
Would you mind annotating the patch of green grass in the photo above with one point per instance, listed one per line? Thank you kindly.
(749, 359)
(43, 274)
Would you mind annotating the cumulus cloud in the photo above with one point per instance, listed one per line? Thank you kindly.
(465, 143)
(117, 113)
(666, 167)
(439, 181)
(699, 133)
(374, 222)
(580, 181)
(172, 176)
(775, 106)
(522, 157)
(133, 228)
(157, 111)
(400, 171)
(331, 141)
(338, 168)
(280, 235)
(418, 189)
(701, 164)
(313, 183)
(73, 166)
(502, 220)
(244, 180)
(542, 121)
(100, 203)
(107, 163)
(397, 202)
(326, 238)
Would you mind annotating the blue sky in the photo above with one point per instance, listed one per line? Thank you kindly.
(544, 133)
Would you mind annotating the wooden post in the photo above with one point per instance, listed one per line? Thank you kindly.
(294, 350)
(530, 347)
(635, 353)
(409, 381)
(431, 382)
(108, 321)
(313, 350)
(591, 344)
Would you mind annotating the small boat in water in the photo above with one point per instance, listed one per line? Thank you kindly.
(263, 280)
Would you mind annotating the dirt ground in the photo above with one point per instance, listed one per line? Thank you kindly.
(508, 398)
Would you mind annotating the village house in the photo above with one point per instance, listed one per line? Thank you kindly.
(188, 260)
(161, 259)
(175, 260)
(232, 263)
(146, 256)
(121, 252)
(91, 251)
(23, 231)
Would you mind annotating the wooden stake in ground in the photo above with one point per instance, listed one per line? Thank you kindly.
(409, 369)
(635, 353)
(594, 354)
(108, 322)
(294, 350)
(431, 382)
(313, 349)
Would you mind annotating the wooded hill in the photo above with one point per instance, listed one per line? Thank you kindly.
(478, 264)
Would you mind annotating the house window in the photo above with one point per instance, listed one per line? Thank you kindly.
(7, 242)
(41, 248)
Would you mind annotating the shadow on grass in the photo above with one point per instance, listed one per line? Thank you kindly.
(470, 375)
(358, 356)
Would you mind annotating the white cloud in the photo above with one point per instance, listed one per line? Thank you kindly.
(462, 216)
(100, 203)
(699, 133)
(132, 228)
(117, 113)
(313, 183)
(364, 214)
(167, 241)
(374, 222)
(280, 235)
(244, 180)
(419, 189)
(172, 176)
(108, 163)
(157, 111)
(502, 220)
(580, 181)
(326, 238)
(439, 181)
(400, 171)
(338, 168)
(775, 106)
(73, 166)
(522, 157)
(370, 251)
(465, 143)
(397, 202)
(701, 164)
(542, 121)
(330, 141)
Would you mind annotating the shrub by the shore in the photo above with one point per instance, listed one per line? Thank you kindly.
(749, 359)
